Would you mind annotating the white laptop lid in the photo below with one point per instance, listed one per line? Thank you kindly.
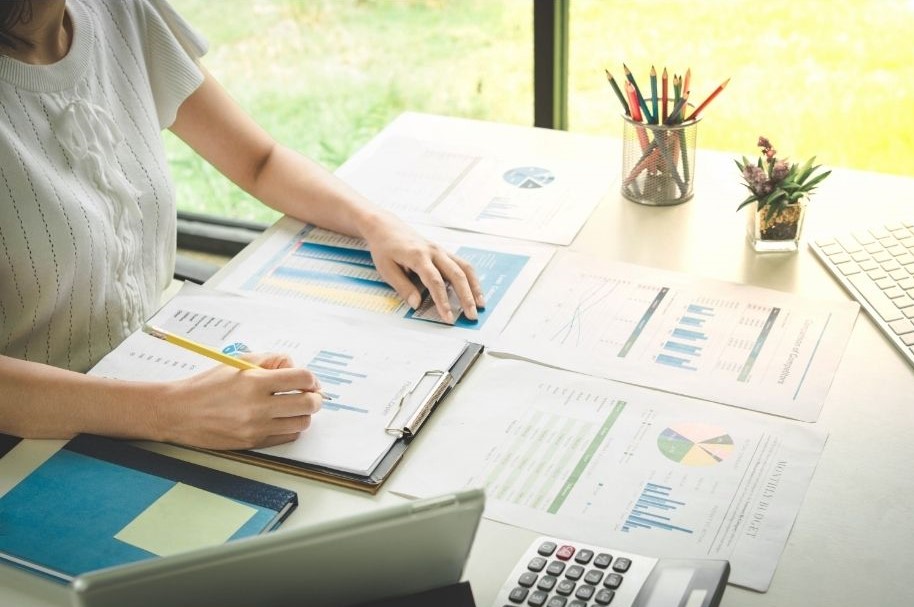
(391, 551)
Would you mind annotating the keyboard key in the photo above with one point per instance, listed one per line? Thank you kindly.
(557, 601)
(902, 326)
(593, 577)
(848, 268)
(603, 560)
(905, 301)
(875, 297)
(527, 579)
(621, 565)
(537, 598)
(518, 595)
(908, 339)
(565, 587)
(829, 246)
(882, 256)
(899, 274)
(565, 552)
(577, 603)
(897, 250)
(893, 292)
(547, 548)
(574, 572)
(546, 583)
(555, 568)
(890, 265)
(884, 283)
(604, 597)
(583, 556)
(873, 247)
(584, 592)
(839, 258)
(877, 274)
(864, 237)
(536, 564)
(613, 581)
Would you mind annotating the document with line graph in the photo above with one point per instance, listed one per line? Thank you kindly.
(731, 343)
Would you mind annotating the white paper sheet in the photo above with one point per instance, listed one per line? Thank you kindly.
(513, 181)
(731, 343)
(619, 465)
(363, 367)
(300, 263)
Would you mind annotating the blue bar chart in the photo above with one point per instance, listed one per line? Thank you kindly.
(687, 338)
(651, 509)
(332, 369)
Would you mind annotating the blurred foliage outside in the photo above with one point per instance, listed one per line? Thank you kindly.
(832, 79)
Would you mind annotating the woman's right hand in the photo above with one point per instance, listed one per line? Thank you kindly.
(227, 408)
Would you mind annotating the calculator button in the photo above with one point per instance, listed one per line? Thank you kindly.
(604, 597)
(556, 601)
(603, 560)
(565, 587)
(613, 581)
(565, 552)
(583, 556)
(577, 603)
(518, 595)
(584, 592)
(546, 583)
(527, 579)
(547, 548)
(574, 572)
(555, 568)
(537, 598)
(593, 577)
(536, 564)
(621, 565)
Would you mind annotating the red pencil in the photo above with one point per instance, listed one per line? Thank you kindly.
(664, 94)
(709, 99)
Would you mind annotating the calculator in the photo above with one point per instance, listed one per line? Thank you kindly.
(560, 573)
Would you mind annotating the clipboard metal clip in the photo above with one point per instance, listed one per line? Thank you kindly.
(432, 394)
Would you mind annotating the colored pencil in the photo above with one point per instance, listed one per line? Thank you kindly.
(612, 83)
(710, 98)
(187, 344)
(655, 113)
(678, 109)
(631, 78)
(664, 94)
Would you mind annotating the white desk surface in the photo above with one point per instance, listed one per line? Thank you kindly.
(853, 540)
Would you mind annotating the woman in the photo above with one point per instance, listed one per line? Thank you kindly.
(87, 225)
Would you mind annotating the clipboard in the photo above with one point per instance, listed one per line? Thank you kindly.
(416, 405)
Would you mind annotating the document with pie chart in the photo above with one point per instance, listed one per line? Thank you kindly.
(619, 465)
(506, 180)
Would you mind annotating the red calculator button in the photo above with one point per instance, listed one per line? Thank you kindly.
(565, 552)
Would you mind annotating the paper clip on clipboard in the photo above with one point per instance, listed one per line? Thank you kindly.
(409, 417)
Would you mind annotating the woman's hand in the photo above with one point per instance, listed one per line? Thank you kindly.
(228, 408)
(397, 250)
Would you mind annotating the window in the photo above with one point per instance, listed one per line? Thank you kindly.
(324, 76)
(831, 78)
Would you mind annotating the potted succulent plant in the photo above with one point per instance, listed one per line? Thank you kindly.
(779, 191)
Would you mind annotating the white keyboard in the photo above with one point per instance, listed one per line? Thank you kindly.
(876, 266)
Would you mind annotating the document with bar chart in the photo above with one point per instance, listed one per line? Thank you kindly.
(736, 344)
(301, 263)
(506, 180)
(620, 465)
(366, 370)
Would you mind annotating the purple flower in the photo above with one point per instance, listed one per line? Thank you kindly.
(779, 171)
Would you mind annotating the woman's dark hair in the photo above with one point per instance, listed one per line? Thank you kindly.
(11, 13)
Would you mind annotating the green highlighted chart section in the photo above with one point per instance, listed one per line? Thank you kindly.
(695, 444)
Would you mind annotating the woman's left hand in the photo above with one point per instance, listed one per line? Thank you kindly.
(398, 250)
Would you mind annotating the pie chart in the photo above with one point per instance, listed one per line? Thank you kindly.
(529, 177)
(695, 444)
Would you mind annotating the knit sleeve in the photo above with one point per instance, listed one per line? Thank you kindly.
(173, 48)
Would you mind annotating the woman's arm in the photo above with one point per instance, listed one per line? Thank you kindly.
(222, 408)
(221, 132)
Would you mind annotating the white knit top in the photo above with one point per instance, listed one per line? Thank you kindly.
(87, 215)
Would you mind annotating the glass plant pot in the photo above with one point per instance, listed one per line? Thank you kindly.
(775, 232)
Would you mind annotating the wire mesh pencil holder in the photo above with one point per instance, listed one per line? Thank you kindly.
(658, 162)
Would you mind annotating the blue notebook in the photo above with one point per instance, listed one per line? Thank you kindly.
(99, 502)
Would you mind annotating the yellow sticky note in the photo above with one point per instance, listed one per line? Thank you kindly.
(184, 518)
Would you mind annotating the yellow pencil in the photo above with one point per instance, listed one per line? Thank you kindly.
(187, 344)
